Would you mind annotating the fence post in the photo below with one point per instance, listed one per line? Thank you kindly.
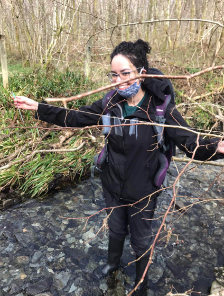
(88, 57)
(4, 61)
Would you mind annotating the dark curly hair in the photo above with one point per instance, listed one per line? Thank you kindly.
(134, 51)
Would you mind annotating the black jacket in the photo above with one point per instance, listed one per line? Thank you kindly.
(132, 150)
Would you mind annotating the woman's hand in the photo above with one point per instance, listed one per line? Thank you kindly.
(220, 148)
(25, 103)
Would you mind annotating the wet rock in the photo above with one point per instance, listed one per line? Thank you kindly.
(39, 287)
(218, 232)
(22, 260)
(88, 235)
(79, 292)
(10, 198)
(23, 238)
(77, 256)
(7, 203)
(16, 287)
(155, 273)
(37, 256)
(9, 248)
(8, 235)
(103, 287)
(62, 279)
(71, 240)
(72, 288)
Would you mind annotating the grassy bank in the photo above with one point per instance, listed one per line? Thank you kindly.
(35, 173)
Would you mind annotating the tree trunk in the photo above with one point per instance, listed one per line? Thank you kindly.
(178, 16)
(88, 58)
(218, 46)
(4, 61)
(119, 21)
(167, 25)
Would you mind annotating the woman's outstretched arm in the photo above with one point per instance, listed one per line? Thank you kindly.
(85, 116)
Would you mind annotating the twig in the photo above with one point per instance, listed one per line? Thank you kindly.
(63, 137)
(178, 294)
(219, 117)
(10, 157)
(187, 77)
(86, 12)
(213, 93)
(198, 161)
(41, 151)
(112, 126)
(158, 21)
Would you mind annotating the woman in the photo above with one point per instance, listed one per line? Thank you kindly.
(133, 155)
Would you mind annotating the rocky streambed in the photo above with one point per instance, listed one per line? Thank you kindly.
(43, 254)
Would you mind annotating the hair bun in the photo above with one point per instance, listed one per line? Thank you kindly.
(142, 46)
(135, 52)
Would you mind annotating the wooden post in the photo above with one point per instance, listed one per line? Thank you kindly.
(4, 61)
(88, 57)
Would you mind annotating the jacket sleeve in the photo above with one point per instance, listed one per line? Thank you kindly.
(186, 140)
(85, 116)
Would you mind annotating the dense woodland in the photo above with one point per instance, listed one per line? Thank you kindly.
(61, 31)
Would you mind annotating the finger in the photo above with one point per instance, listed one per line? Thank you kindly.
(18, 103)
(19, 100)
(20, 106)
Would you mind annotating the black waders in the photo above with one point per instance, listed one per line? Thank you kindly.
(140, 268)
(115, 250)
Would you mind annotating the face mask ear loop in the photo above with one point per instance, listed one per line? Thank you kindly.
(141, 70)
(141, 73)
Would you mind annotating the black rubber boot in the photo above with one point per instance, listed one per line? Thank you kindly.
(115, 250)
(140, 268)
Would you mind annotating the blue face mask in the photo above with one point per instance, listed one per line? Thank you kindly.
(130, 91)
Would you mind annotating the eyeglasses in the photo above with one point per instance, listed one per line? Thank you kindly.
(123, 75)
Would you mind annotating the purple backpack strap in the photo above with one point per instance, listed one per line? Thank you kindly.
(100, 158)
(161, 110)
(160, 118)
(106, 99)
(106, 113)
(165, 148)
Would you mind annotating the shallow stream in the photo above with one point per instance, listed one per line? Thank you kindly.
(44, 254)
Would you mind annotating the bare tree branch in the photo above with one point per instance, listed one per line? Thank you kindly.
(86, 12)
(111, 126)
(159, 21)
(198, 161)
(187, 77)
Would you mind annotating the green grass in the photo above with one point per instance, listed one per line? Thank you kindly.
(18, 68)
(193, 70)
(203, 120)
(34, 176)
